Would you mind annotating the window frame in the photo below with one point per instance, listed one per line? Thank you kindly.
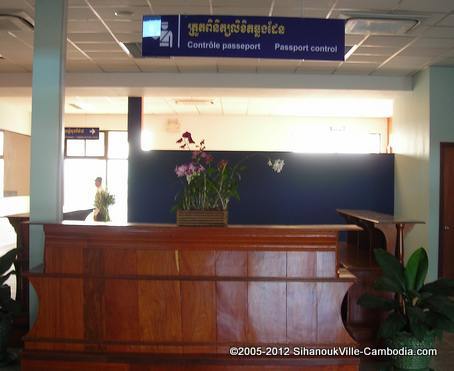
(106, 140)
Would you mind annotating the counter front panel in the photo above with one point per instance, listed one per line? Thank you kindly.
(164, 290)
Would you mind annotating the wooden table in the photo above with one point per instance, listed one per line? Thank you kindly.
(394, 228)
(380, 231)
(161, 297)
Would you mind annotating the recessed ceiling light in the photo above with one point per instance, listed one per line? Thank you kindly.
(379, 25)
(123, 13)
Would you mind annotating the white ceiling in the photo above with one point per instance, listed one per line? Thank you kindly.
(92, 48)
(316, 104)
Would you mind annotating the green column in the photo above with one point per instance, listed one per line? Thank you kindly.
(46, 190)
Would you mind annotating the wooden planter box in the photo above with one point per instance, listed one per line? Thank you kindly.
(202, 218)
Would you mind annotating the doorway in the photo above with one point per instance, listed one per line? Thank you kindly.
(446, 253)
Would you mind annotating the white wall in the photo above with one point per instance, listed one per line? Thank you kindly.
(15, 118)
(410, 142)
(269, 133)
(104, 122)
(256, 133)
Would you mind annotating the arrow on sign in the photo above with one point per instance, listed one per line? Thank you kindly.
(92, 131)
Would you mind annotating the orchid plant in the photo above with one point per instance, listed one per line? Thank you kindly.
(209, 184)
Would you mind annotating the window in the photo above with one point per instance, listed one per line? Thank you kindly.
(86, 147)
(118, 144)
(86, 160)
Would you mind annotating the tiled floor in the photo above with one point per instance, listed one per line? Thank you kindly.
(443, 362)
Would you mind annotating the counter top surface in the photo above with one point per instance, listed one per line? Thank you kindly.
(237, 227)
(377, 218)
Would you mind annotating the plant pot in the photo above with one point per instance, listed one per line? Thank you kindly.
(414, 362)
(202, 218)
(102, 215)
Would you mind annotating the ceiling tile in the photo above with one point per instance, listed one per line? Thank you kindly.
(77, 3)
(75, 55)
(280, 11)
(425, 5)
(115, 3)
(447, 32)
(387, 41)
(100, 47)
(424, 42)
(210, 109)
(317, 67)
(234, 105)
(157, 65)
(90, 37)
(80, 14)
(376, 50)
(241, 3)
(129, 37)
(305, 3)
(118, 66)
(108, 13)
(111, 55)
(157, 106)
(447, 21)
(445, 62)
(92, 26)
(81, 66)
(237, 65)
(277, 66)
(184, 9)
(367, 4)
(178, 3)
(411, 62)
(422, 52)
(243, 10)
(356, 68)
(14, 4)
(358, 58)
(196, 64)
(353, 39)
(6, 66)
(125, 27)
(395, 71)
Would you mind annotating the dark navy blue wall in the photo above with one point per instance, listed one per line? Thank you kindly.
(308, 191)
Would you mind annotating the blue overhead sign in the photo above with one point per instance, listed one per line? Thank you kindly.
(243, 37)
(82, 133)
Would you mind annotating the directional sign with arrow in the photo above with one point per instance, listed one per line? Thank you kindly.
(82, 133)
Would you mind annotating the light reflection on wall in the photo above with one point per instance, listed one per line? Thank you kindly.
(265, 133)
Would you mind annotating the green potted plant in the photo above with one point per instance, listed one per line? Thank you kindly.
(103, 200)
(419, 312)
(8, 306)
(208, 185)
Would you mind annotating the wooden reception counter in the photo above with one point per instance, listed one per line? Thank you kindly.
(160, 297)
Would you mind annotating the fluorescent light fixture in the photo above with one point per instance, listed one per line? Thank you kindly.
(76, 106)
(350, 51)
(379, 25)
(124, 48)
(123, 13)
(194, 101)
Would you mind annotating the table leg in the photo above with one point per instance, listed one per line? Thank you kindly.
(399, 252)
